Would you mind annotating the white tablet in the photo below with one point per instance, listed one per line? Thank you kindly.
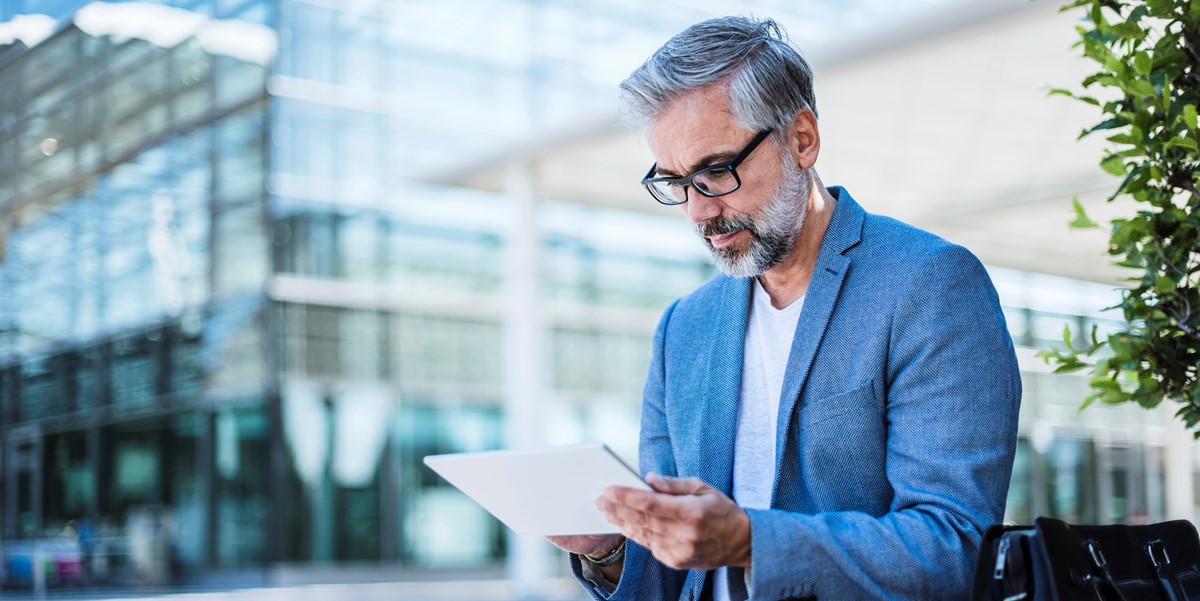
(541, 492)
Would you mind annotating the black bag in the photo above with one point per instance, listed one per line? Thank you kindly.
(1054, 561)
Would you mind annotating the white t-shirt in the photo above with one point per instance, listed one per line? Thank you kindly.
(769, 335)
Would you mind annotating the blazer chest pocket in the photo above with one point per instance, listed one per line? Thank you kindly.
(842, 450)
(856, 404)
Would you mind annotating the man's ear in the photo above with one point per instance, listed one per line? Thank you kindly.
(804, 139)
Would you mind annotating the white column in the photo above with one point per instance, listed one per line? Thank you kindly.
(1178, 466)
(525, 362)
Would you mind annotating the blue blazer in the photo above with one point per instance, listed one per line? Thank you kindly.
(897, 423)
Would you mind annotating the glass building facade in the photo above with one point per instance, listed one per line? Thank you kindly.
(134, 252)
(220, 309)
(235, 315)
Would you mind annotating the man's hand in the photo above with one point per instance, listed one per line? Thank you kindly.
(686, 523)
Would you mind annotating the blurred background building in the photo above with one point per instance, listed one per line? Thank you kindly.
(259, 257)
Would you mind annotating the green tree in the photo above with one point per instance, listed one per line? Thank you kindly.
(1146, 90)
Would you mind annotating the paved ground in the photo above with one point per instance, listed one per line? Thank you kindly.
(479, 590)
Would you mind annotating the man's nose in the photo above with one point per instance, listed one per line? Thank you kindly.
(700, 208)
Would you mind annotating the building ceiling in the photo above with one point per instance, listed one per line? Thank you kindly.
(943, 121)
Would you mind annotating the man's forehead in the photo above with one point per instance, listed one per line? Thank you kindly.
(693, 126)
(702, 107)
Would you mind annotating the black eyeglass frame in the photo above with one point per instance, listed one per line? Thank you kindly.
(686, 181)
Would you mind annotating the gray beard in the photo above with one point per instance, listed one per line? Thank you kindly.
(773, 232)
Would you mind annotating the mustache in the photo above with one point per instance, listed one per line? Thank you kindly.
(718, 226)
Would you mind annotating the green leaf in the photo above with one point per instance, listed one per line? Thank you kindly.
(1160, 8)
(1136, 150)
(1164, 285)
(1113, 165)
(1070, 367)
(1070, 94)
(1116, 66)
(1189, 116)
(1183, 141)
(1140, 87)
(1088, 400)
(1113, 123)
(1081, 220)
(1189, 415)
(1122, 348)
(1113, 397)
(1067, 336)
(1129, 184)
(1131, 31)
(1142, 63)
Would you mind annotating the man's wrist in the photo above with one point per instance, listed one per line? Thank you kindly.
(610, 557)
(743, 541)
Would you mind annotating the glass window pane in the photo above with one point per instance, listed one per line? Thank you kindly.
(241, 459)
(234, 347)
(361, 248)
(238, 81)
(239, 156)
(1071, 480)
(1019, 507)
(134, 370)
(241, 261)
(70, 484)
(186, 493)
(447, 351)
(443, 528)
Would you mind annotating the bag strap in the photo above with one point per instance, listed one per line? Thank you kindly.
(1169, 580)
(1101, 565)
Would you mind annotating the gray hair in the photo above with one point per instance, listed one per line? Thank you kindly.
(768, 81)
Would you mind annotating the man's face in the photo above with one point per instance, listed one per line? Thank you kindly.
(752, 229)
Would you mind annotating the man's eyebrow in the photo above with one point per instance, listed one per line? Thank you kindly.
(708, 160)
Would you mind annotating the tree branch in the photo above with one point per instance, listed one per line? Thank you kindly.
(1183, 181)
(1187, 47)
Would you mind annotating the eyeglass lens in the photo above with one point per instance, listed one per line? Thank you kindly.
(710, 182)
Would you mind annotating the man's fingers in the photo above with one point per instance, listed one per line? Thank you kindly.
(677, 542)
(676, 486)
(649, 530)
(664, 504)
(630, 517)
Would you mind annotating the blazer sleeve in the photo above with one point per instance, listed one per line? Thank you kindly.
(952, 398)
(644, 578)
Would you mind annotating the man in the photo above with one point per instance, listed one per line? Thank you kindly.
(834, 415)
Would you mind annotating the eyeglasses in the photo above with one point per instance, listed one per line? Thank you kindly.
(711, 181)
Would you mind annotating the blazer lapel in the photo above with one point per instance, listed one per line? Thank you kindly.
(716, 423)
(845, 230)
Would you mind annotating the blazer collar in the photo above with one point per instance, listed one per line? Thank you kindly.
(829, 275)
(845, 229)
